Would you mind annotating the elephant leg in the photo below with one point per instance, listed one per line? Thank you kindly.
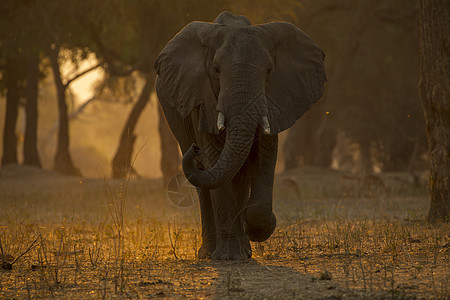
(184, 132)
(241, 191)
(232, 243)
(208, 224)
(260, 221)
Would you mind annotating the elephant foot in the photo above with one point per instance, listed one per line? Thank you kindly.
(206, 249)
(259, 226)
(233, 249)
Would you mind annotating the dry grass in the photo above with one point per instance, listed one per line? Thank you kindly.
(119, 239)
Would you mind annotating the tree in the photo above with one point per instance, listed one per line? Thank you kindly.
(375, 109)
(63, 159)
(30, 152)
(122, 163)
(65, 33)
(129, 38)
(33, 44)
(434, 94)
(117, 38)
(12, 33)
(313, 138)
(12, 106)
(170, 158)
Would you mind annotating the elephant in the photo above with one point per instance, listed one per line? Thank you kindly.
(227, 88)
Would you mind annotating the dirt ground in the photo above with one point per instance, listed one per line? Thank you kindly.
(339, 236)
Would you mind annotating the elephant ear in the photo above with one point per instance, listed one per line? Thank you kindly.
(182, 78)
(299, 75)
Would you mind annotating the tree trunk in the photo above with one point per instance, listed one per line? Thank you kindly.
(291, 151)
(399, 156)
(366, 158)
(63, 160)
(326, 142)
(299, 149)
(311, 141)
(121, 163)
(30, 152)
(170, 159)
(434, 92)
(314, 138)
(12, 106)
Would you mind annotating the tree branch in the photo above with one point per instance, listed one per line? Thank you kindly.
(83, 73)
(26, 251)
(115, 61)
(82, 107)
(53, 55)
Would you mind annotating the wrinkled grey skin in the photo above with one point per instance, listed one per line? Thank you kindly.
(247, 73)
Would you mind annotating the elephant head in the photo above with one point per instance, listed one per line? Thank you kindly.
(241, 78)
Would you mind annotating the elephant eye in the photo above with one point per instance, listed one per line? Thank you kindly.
(269, 70)
(216, 69)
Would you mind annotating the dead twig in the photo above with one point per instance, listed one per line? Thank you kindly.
(7, 265)
(26, 251)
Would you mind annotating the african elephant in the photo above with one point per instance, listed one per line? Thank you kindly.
(227, 89)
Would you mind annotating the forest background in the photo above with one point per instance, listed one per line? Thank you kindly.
(77, 85)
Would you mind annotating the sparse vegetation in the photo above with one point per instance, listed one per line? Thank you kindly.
(90, 245)
(340, 235)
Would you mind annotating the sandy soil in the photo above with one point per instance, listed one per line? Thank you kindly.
(338, 237)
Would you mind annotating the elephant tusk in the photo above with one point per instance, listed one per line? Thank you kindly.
(220, 121)
(266, 125)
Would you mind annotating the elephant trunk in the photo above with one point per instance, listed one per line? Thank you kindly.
(238, 143)
(242, 104)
